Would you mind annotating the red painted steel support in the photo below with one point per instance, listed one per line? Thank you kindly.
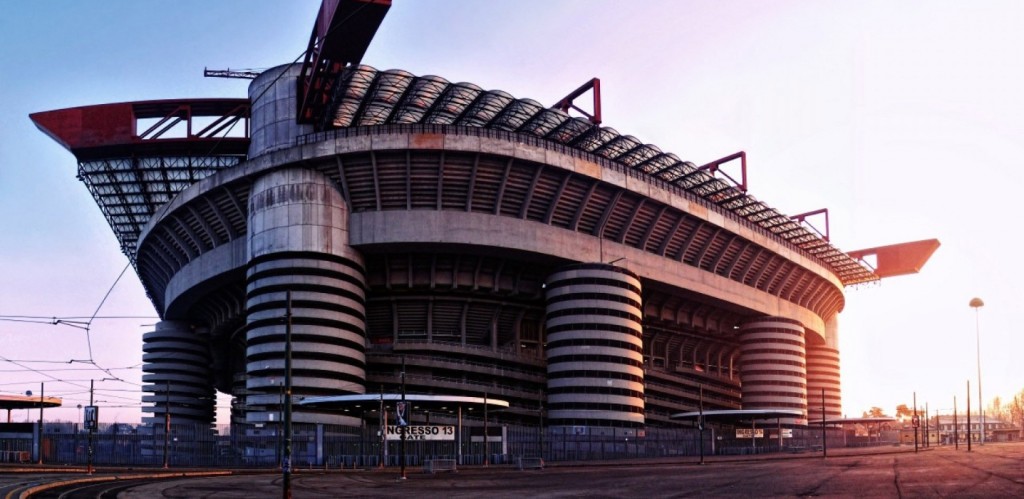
(566, 103)
(716, 166)
(341, 34)
(802, 218)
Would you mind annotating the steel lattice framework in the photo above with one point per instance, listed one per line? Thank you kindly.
(136, 156)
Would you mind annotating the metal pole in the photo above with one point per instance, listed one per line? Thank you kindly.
(167, 420)
(458, 435)
(968, 415)
(976, 304)
(915, 422)
(700, 422)
(487, 460)
(956, 427)
(42, 390)
(778, 422)
(403, 418)
(382, 424)
(540, 427)
(824, 436)
(91, 429)
(286, 469)
(927, 427)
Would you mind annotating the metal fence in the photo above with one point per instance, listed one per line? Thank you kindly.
(319, 446)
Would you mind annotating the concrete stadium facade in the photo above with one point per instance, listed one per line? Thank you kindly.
(488, 244)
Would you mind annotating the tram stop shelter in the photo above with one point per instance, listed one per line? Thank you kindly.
(16, 438)
(741, 417)
(12, 402)
(388, 404)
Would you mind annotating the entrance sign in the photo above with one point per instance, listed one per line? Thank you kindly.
(421, 432)
(749, 433)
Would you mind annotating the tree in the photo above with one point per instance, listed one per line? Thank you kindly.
(998, 410)
(1015, 408)
(875, 412)
(903, 411)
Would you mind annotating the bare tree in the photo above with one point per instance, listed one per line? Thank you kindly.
(997, 410)
(1015, 408)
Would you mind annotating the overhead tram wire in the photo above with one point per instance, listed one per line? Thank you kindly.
(72, 321)
(88, 324)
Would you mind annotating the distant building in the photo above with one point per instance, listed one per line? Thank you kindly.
(996, 430)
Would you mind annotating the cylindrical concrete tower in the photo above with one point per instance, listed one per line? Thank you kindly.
(823, 373)
(594, 347)
(298, 243)
(773, 369)
(178, 378)
(273, 95)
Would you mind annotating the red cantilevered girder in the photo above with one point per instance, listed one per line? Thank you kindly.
(341, 35)
(107, 130)
(899, 259)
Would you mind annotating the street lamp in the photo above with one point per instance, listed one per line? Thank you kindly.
(976, 304)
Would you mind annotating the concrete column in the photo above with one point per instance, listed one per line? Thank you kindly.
(298, 242)
(823, 373)
(177, 378)
(273, 125)
(178, 381)
(594, 347)
(773, 371)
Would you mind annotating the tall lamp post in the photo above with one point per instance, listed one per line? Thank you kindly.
(976, 304)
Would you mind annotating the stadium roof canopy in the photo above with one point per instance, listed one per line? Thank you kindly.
(370, 97)
(740, 415)
(419, 401)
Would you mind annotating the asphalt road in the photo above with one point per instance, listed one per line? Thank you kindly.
(992, 471)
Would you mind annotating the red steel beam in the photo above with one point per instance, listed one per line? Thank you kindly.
(566, 103)
(802, 218)
(716, 166)
(899, 259)
(341, 34)
(93, 131)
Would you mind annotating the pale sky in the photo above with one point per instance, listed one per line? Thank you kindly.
(903, 118)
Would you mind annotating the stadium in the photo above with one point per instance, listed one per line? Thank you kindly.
(437, 238)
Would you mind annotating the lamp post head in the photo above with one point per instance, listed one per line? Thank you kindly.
(977, 303)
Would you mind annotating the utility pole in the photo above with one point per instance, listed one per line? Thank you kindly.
(167, 421)
(927, 428)
(956, 427)
(383, 426)
(700, 422)
(287, 467)
(42, 390)
(968, 415)
(92, 427)
(915, 422)
(824, 436)
(487, 459)
(403, 419)
(540, 420)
